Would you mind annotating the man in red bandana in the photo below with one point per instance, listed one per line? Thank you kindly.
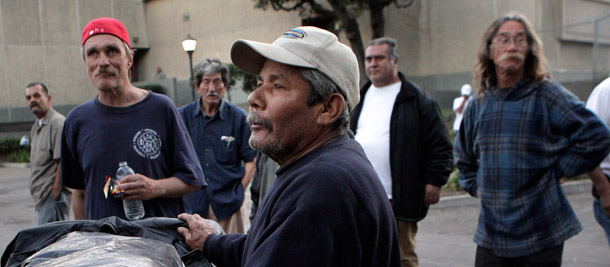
(124, 123)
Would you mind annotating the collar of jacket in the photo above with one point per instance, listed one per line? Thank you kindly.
(521, 89)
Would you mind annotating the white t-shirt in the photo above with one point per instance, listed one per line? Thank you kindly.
(457, 102)
(599, 103)
(373, 131)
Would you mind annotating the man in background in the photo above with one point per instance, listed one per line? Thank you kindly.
(52, 201)
(599, 103)
(220, 136)
(160, 74)
(519, 136)
(404, 136)
(459, 106)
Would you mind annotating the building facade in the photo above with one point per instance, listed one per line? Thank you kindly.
(40, 41)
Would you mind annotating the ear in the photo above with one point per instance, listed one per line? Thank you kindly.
(331, 110)
(49, 98)
(130, 60)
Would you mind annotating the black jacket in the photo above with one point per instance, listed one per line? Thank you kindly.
(420, 148)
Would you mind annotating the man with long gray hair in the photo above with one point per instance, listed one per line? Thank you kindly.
(220, 134)
(519, 135)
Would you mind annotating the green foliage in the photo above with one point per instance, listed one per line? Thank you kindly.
(452, 183)
(248, 80)
(14, 152)
(10, 145)
(155, 88)
(19, 156)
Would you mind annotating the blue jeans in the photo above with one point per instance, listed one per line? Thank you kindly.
(55, 210)
(602, 218)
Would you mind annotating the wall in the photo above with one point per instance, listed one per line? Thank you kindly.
(40, 41)
(215, 25)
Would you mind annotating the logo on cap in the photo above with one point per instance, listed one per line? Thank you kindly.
(294, 33)
(96, 31)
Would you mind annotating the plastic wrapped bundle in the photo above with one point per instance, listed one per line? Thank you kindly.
(108, 241)
(101, 249)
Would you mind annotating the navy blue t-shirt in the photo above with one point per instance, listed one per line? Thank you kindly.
(221, 143)
(327, 208)
(149, 135)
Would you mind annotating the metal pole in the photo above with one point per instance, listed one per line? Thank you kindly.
(191, 68)
(596, 43)
(595, 48)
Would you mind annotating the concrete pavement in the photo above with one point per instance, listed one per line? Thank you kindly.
(444, 237)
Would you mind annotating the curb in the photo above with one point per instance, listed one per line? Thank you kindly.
(464, 200)
(14, 165)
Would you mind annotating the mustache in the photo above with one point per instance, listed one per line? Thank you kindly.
(506, 56)
(34, 104)
(211, 94)
(101, 71)
(254, 118)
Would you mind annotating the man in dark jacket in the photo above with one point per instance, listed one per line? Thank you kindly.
(407, 141)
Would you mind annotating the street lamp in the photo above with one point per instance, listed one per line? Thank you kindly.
(189, 44)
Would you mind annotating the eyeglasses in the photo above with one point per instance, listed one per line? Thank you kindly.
(504, 41)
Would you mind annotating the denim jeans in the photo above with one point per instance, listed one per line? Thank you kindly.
(602, 218)
(55, 210)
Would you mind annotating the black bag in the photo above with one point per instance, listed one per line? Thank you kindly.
(41, 239)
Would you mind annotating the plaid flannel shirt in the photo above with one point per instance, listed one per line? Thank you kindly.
(511, 151)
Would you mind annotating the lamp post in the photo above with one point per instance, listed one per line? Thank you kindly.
(189, 44)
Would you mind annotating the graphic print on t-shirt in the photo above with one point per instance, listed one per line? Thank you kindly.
(147, 143)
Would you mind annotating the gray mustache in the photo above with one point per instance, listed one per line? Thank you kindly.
(254, 118)
(104, 71)
(511, 55)
(211, 94)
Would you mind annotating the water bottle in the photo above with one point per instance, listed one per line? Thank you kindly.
(134, 209)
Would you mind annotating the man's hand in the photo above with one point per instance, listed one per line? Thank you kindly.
(197, 232)
(139, 187)
(433, 194)
(603, 188)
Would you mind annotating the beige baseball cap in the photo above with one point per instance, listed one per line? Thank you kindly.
(307, 47)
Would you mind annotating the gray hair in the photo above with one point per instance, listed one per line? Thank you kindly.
(320, 89)
(390, 42)
(484, 71)
(211, 66)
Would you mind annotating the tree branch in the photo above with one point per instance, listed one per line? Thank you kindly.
(408, 4)
(279, 5)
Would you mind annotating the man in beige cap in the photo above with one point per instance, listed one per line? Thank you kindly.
(326, 206)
